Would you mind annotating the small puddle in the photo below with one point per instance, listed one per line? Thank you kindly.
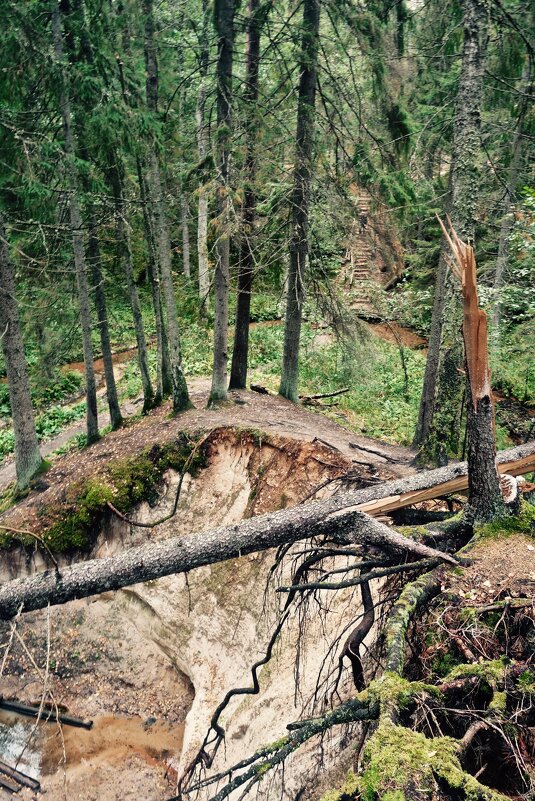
(41, 752)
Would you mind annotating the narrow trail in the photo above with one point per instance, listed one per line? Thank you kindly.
(266, 414)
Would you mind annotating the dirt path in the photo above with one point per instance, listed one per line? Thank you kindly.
(267, 414)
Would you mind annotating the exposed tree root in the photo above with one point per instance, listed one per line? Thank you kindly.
(466, 736)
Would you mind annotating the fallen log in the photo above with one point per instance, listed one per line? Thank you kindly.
(182, 554)
(307, 398)
(340, 518)
(375, 452)
(47, 715)
(21, 779)
(457, 483)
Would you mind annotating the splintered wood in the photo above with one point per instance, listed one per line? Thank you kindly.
(463, 266)
(453, 485)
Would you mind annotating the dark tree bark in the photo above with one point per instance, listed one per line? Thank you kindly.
(86, 55)
(76, 226)
(299, 244)
(116, 418)
(240, 353)
(181, 399)
(439, 418)
(224, 26)
(28, 459)
(163, 377)
(203, 148)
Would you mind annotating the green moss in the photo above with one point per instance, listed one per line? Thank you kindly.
(393, 690)
(400, 763)
(443, 663)
(491, 671)
(523, 523)
(499, 702)
(125, 483)
(346, 792)
(526, 682)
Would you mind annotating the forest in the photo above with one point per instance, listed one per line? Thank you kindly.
(267, 400)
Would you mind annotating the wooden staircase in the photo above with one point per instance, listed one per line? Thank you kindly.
(359, 271)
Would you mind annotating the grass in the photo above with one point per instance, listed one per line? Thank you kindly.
(379, 403)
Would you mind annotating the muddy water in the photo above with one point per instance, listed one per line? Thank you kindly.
(40, 751)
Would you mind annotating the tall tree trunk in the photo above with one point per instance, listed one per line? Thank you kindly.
(181, 399)
(507, 221)
(87, 56)
(299, 245)
(224, 25)
(484, 492)
(427, 400)
(442, 421)
(76, 227)
(203, 145)
(28, 459)
(240, 353)
(124, 254)
(184, 219)
(163, 378)
(116, 418)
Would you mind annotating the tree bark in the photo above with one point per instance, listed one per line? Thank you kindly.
(184, 215)
(203, 146)
(438, 429)
(485, 496)
(76, 228)
(116, 418)
(240, 353)
(124, 252)
(427, 400)
(163, 378)
(224, 25)
(507, 222)
(299, 245)
(28, 459)
(182, 554)
(181, 399)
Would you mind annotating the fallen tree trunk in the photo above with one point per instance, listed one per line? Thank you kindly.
(46, 714)
(340, 517)
(446, 480)
(182, 554)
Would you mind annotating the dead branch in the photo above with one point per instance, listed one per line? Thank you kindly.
(272, 755)
(424, 564)
(308, 398)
